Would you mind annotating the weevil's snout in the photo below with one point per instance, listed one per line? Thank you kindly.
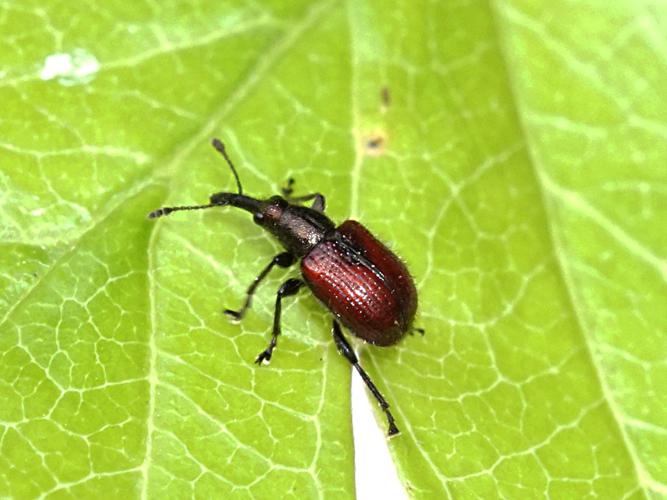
(220, 199)
(236, 200)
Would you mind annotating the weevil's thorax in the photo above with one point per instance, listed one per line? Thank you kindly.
(298, 228)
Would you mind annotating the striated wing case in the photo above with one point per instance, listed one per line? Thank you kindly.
(364, 283)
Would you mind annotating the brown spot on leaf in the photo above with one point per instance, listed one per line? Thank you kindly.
(385, 96)
(374, 144)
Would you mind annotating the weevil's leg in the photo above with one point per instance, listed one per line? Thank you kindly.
(319, 202)
(287, 189)
(420, 331)
(346, 350)
(290, 287)
(284, 259)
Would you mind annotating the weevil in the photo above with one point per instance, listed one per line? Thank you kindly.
(364, 284)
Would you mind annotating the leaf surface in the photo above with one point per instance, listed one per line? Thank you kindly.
(512, 154)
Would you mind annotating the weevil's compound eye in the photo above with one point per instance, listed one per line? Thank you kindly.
(278, 201)
(271, 211)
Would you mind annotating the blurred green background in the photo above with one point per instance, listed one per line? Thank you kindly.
(519, 166)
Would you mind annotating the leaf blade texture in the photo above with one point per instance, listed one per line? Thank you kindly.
(512, 153)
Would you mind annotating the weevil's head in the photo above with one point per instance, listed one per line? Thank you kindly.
(298, 228)
(265, 213)
(270, 213)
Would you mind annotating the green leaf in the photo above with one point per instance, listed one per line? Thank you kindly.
(513, 155)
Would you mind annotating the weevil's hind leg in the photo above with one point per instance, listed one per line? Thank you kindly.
(319, 201)
(284, 259)
(346, 350)
(290, 287)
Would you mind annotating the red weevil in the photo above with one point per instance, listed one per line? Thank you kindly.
(363, 283)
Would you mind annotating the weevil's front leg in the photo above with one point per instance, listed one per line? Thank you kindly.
(284, 259)
(290, 287)
(319, 201)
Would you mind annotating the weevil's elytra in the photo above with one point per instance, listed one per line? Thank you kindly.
(351, 264)
(363, 283)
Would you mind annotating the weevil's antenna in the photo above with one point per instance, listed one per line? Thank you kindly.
(220, 147)
(218, 200)
(167, 210)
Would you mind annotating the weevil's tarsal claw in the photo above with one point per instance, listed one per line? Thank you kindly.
(234, 316)
(420, 331)
(393, 430)
(288, 189)
(264, 358)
